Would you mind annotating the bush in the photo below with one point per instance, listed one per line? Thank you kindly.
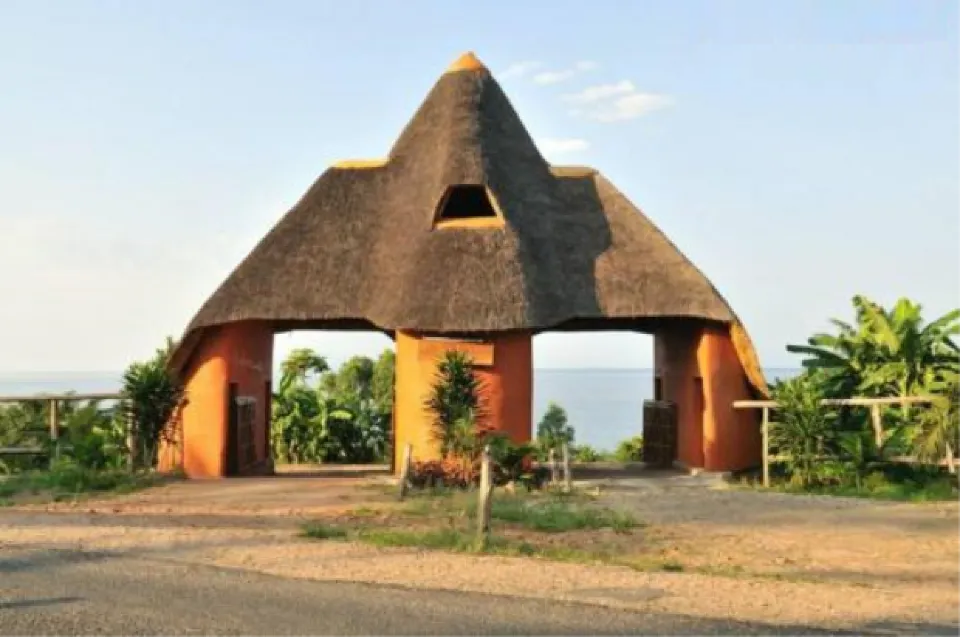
(629, 450)
(804, 430)
(586, 453)
(154, 394)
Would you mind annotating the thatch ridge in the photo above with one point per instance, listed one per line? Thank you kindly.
(360, 247)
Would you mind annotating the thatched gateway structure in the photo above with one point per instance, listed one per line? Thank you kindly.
(463, 237)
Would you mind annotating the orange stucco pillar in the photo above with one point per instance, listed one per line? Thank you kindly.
(731, 438)
(504, 366)
(675, 367)
(240, 354)
(698, 369)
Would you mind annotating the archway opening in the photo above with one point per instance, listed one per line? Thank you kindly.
(332, 400)
(600, 379)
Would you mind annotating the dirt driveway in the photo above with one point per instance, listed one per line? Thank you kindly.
(817, 561)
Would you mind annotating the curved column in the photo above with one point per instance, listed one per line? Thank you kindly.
(237, 353)
(699, 370)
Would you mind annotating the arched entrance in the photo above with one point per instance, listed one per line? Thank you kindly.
(463, 237)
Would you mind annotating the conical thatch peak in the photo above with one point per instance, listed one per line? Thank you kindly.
(466, 62)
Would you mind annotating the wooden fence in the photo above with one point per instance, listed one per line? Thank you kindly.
(874, 404)
(54, 400)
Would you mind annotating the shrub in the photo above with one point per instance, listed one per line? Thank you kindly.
(629, 450)
(803, 430)
(586, 453)
(154, 394)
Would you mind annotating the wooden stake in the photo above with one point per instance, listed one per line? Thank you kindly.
(131, 438)
(554, 468)
(567, 478)
(54, 431)
(765, 429)
(405, 470)
(485, 498)
(877, 419)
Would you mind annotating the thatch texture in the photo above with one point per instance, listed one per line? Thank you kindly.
(360, 246)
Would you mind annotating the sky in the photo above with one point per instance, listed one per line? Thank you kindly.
(797, 152)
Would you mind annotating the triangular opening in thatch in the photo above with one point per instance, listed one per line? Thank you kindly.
(467, 205)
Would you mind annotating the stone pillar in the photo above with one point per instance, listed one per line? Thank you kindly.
(504, 366)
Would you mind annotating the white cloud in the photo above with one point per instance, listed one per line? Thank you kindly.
(562, 146)
(629, 107)
(555, 77)
(600, 92)
(520, 69)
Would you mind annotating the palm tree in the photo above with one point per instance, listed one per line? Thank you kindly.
(887, 353)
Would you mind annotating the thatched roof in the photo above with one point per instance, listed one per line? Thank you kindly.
(363, 247)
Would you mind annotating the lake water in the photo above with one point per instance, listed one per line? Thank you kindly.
(604, 406)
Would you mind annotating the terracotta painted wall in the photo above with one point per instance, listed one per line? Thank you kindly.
(700, 372)
(731, 438)
(239, 353)
(675, 363)
(504, 367)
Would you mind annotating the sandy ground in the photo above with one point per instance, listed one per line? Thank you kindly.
(779, 559)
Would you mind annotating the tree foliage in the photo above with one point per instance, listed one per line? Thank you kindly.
(553, 431)
(320, 415)
(153, 394)
(455, 403)
(883, 353)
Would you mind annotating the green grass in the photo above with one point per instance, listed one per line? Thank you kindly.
(317, 531)
(883, 489)
(548, 513)
(66, 480)
(365, 512)
(445, 520)
(558, 515)
(437, 539)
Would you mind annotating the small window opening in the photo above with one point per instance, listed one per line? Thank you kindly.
(466, 202)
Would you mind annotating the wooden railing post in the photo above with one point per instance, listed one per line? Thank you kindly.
(554, 469)
(765, 434)
(567, 478)
(484, 504)
(405, 471)
(54, 431)
(876, 419)
(131, 436)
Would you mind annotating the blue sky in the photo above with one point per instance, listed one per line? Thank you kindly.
(798, 152)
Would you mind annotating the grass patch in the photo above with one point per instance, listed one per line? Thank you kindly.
(365, 512)
(437, 539)
(69, 480)
(525, 524)
(882, 489)
(558, 515)
(318, 531)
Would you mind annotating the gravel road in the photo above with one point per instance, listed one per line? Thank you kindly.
(82, 592)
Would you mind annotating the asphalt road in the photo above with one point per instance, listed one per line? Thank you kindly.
(72, 592)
